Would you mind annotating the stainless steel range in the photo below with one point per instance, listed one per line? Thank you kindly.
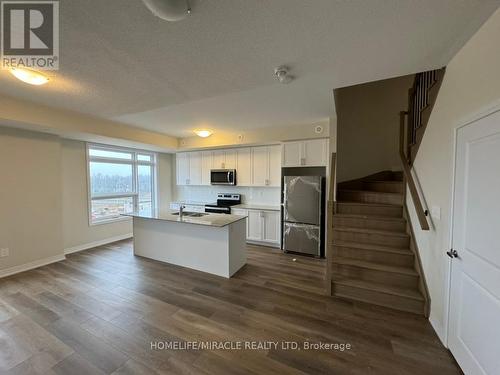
(224, 203)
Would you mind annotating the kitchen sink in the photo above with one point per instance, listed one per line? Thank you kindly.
(191, 214)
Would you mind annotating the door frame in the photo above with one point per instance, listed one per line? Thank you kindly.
(485, 111)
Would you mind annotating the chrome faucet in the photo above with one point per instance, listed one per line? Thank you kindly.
(181, 211)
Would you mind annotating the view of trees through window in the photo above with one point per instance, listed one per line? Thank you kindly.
(121, 181)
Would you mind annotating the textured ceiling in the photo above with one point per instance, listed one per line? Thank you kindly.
(215, 68)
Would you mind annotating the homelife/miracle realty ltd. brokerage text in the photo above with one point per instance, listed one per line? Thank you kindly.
(248, 345)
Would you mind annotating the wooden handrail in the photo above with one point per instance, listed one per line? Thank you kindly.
(421, 213)
(329, 231)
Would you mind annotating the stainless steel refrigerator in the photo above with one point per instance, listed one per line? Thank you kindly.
(302, 214)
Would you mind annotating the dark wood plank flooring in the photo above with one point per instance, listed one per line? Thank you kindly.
(99, 311)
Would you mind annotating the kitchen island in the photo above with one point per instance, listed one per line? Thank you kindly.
(212, 243)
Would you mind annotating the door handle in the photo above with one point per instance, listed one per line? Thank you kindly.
(452, 253)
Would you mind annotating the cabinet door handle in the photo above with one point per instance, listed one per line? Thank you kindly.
(302, 161)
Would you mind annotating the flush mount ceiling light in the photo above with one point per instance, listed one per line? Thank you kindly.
(283, 75)
(29, 76)
(169, 10)
(203, 133)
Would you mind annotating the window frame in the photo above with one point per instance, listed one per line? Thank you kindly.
(135, 163)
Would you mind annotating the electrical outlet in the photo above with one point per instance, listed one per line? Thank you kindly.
(4, 252)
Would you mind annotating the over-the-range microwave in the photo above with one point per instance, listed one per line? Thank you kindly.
(223, 177)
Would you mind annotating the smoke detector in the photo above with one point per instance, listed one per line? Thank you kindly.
(283, 75)
(169, 10)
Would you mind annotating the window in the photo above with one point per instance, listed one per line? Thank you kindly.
(120, 181)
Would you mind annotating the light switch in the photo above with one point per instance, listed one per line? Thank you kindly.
(4, 252)
(436, 212)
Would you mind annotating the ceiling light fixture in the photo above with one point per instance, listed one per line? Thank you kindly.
(29, 76)
(203, 133)
(283, 75)
(169, 10)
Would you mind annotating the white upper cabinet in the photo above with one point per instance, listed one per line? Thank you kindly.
(316, 152)
(206, 167)
(195, 171)
(230, 159)
(255, 166)
(274, 166)
(219, 159)
(244, 166)
(182, 168)
(310, 153)
(266, 166)
(292, 154)
(260, 166)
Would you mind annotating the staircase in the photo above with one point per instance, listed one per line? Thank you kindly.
(371, 257)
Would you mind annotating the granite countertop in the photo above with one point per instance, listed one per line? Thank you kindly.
(193, 203)
(250, 206)
(211, 220)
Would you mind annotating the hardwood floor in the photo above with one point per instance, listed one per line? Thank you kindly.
(99, 311)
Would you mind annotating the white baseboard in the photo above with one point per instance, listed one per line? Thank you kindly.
(439, 331)
(90, 245)
(31, 265)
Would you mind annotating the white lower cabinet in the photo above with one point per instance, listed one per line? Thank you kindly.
(271, 226)
(262, 226)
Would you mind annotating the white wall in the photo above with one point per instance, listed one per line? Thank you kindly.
(368, 126)
(30, 198)
(43, 199)
(471, 85)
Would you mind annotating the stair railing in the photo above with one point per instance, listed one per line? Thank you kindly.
(331, 207)
(421, 98)
(421, 213)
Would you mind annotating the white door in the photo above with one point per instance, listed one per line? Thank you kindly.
(206, 166)
(182, 166)
(474, 325)
(271, 226)
(254, 225)
(274, 165)
(259, 166)
(314, 152)
(195, 168)
(292, 154)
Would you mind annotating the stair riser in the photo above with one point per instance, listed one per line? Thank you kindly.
(383, 277)
(355, 209)
(391, 259)
(384, 187)
(380, 299)
(370, 197)
(372, 238)
(397, 226)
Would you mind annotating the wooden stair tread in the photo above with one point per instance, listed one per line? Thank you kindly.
(366, 246)
(385, 181)
(369, 217)
(381, 288)
(368, 204)
(370, 192)
(374, 266)
(371, 231)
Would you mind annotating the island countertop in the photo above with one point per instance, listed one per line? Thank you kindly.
(208, 219)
